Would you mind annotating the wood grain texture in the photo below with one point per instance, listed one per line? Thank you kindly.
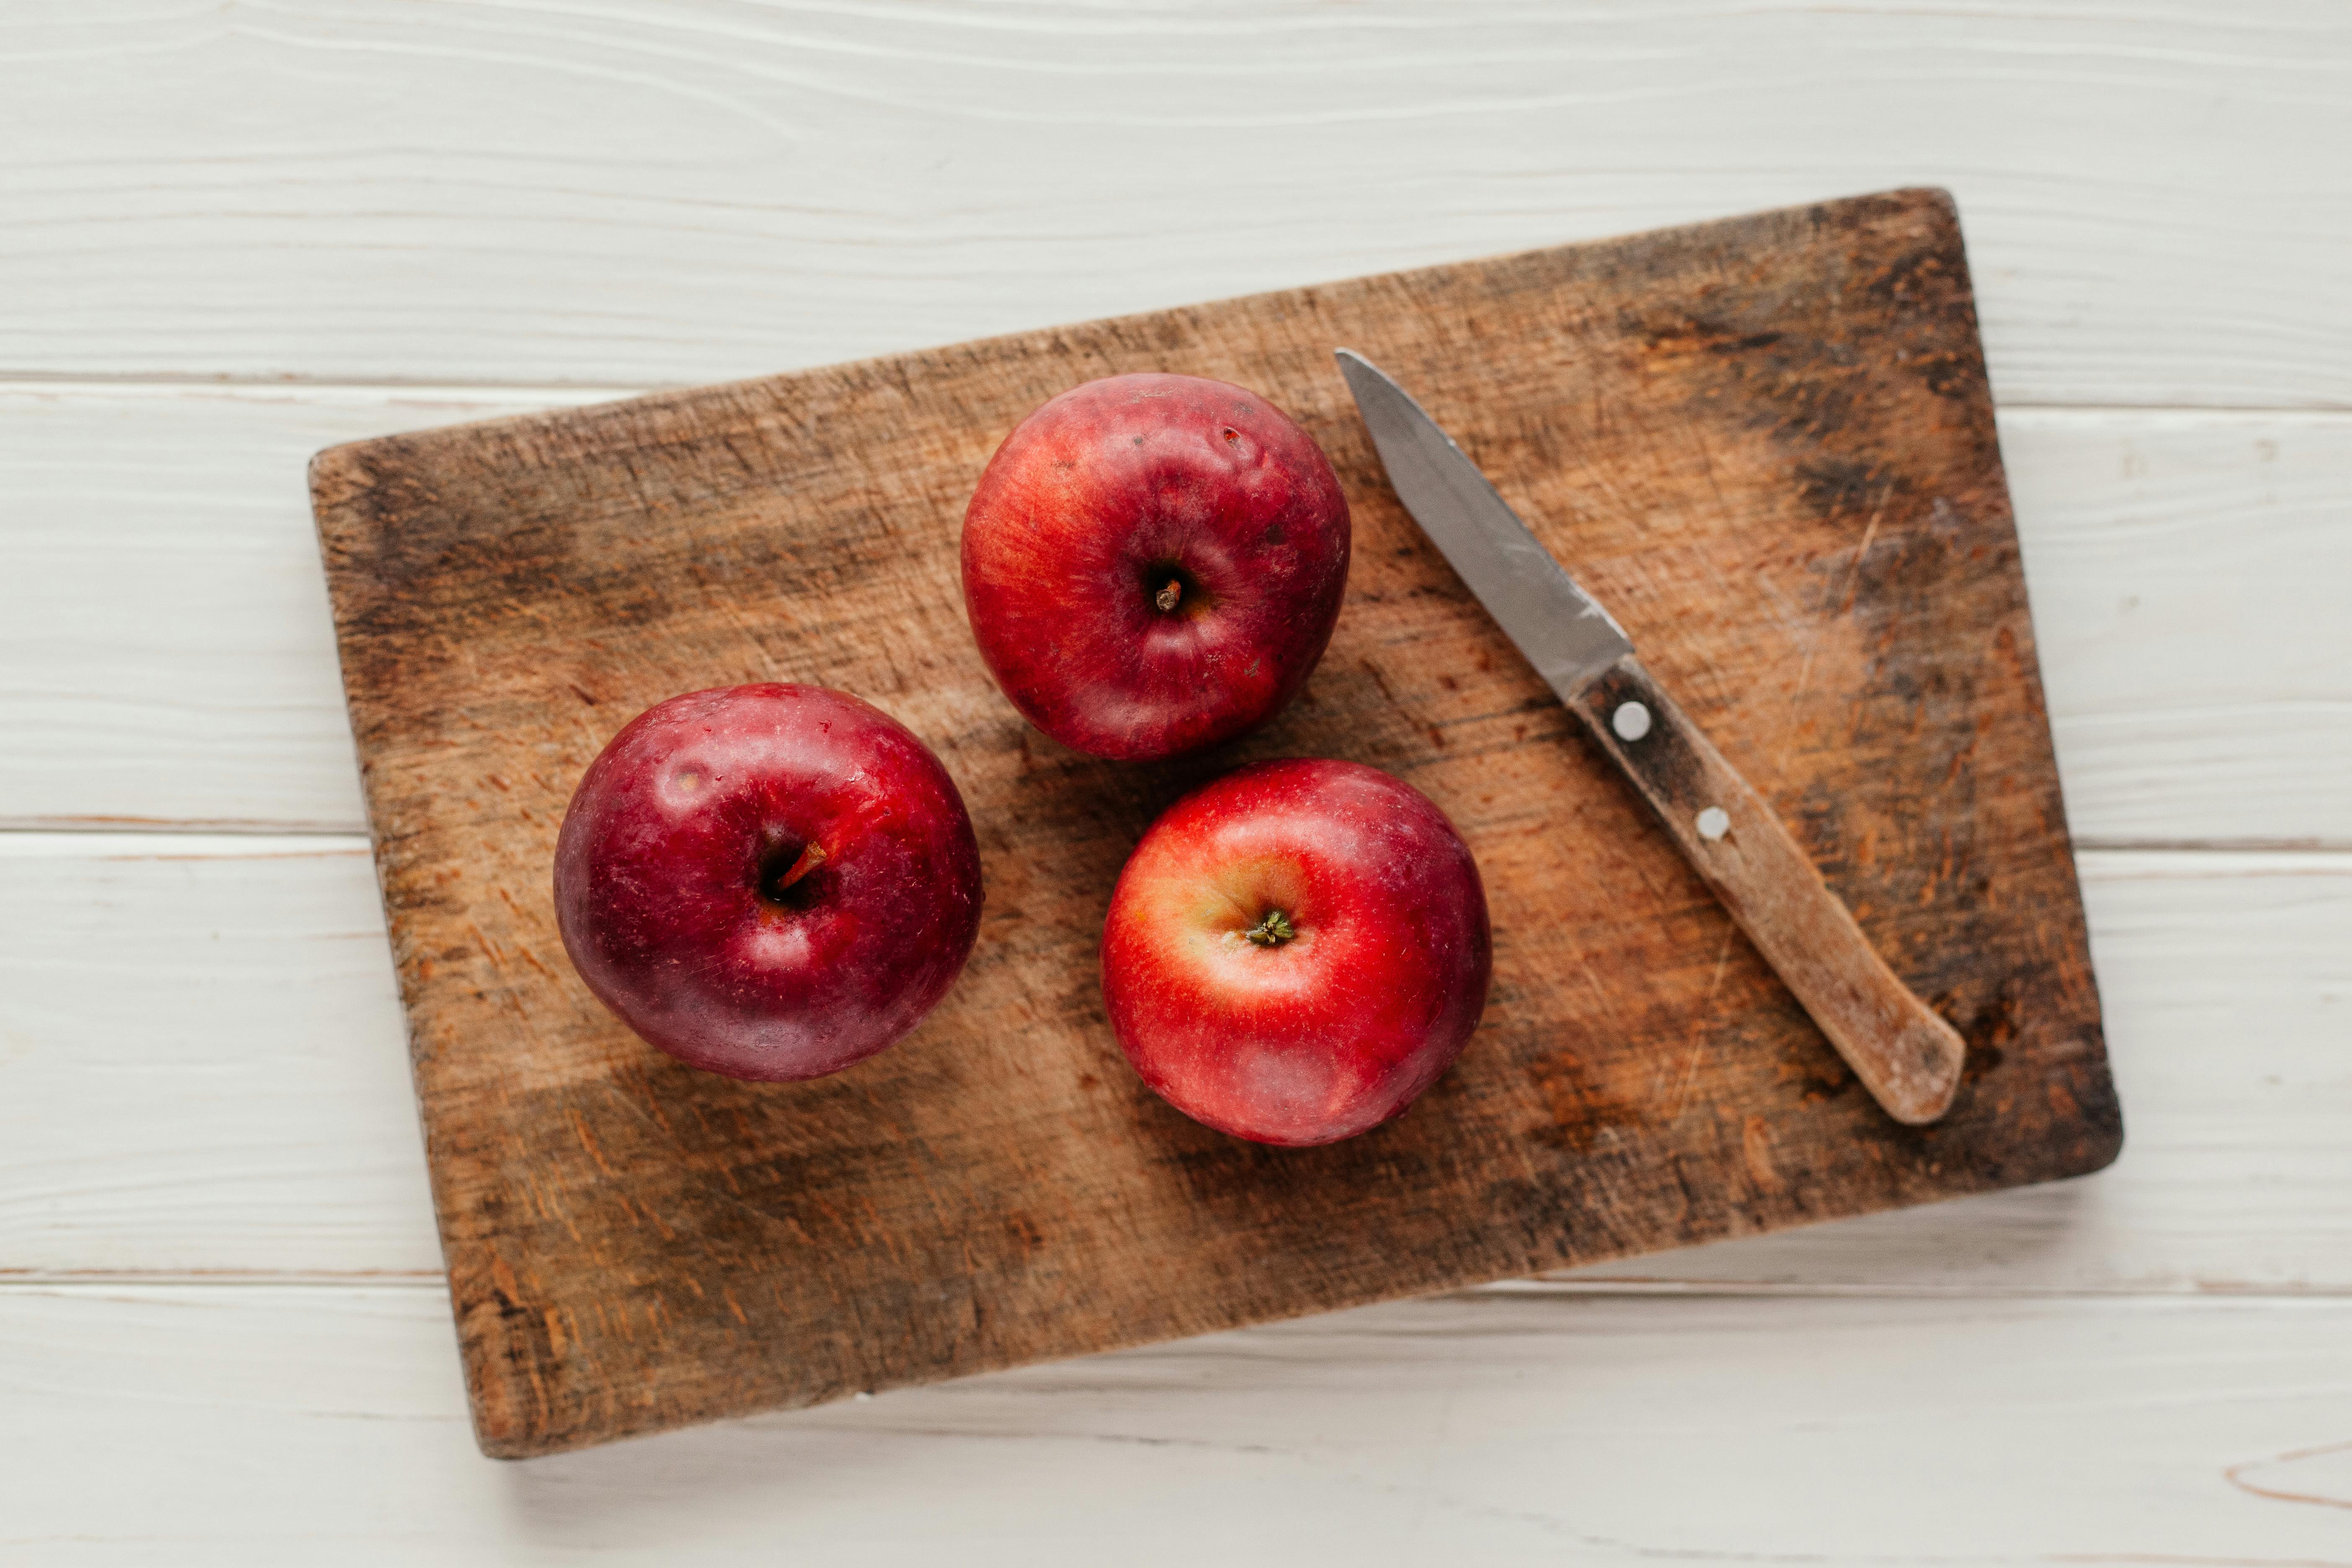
(201, 1073)
(1505, 1428)
(171, 658)
(679, 191)
(1908, 1059)
(1792, 403)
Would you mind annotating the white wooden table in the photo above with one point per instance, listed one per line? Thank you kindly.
(232, 231)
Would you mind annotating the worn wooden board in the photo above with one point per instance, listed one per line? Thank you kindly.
(1767, 444)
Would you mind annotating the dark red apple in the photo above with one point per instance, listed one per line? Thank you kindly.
(1153, 564)
(1295, 951)
(768, 882)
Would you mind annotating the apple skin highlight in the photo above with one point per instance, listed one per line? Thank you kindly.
(1330, 1021)
(771, 881)
(1153, 564)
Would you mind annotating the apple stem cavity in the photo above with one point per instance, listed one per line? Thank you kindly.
(1271, 932)
(1169, 597)
(773, 888)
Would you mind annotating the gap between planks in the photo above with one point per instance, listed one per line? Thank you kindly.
(2233, 920)
(51, 1281)
(155, 839)
(569, 392)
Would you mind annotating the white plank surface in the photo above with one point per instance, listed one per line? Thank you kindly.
(204, 1071)
(2188, 574)
(202, 1061)
(168, 658)
(604, 190)
(267, 1426)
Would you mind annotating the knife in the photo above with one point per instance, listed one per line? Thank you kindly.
(1905, 1055)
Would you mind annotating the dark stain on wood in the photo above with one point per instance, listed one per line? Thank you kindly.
(1766, 444)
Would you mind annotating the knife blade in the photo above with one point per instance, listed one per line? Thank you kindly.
(1907, 1057)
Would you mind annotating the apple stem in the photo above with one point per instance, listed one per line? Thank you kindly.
(1271, 932)
(1168, 598)
(811, 858)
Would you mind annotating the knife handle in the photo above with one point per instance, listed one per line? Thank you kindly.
(1906, 1057)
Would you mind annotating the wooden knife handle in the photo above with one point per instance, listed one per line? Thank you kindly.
(1906, 1057)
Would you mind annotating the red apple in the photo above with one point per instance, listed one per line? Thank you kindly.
(1295, 951)
(767, 881)
(1153, 564)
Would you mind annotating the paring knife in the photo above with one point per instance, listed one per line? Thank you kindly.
(1906, 1057)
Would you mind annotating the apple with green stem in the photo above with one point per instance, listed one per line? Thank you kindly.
(1295, 951)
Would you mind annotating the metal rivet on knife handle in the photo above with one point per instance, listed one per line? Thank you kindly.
(1631, 720)
(1908, 1059)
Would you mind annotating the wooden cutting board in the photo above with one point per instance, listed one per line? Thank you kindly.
(1766, 444)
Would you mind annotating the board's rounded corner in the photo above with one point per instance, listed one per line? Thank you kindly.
(328, 464)
(1941, 209)
(500, 1438)
(505, 1450)
(335, 476)
(2105, 1147)
(1938, 196)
